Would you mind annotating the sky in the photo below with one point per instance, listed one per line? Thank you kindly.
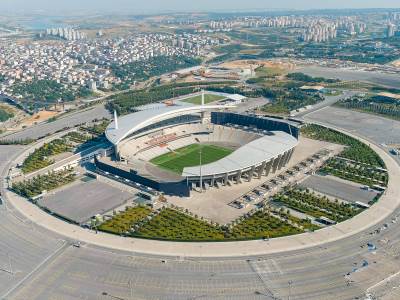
(155, 6)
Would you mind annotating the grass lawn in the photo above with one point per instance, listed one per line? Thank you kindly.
(124, 221)
(5, 114)
(173, 225)
(262, 225)
(189, 156)
(208, 98)
(276, 108)
(269, 71)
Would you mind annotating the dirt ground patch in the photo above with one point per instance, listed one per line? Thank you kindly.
(396, 63)
(245, 64)
(8, 108)
(40, 117)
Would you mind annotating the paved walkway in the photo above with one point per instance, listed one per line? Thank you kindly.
(377, 213)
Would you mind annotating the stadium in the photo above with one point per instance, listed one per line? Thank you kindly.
(181, 147)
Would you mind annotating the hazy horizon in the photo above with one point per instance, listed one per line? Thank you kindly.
(159, 6)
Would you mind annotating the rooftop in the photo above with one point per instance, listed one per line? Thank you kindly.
(149, 114)
(253, 153)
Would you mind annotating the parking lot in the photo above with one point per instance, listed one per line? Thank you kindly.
(83, 200)
(367, 125)
(339, 189)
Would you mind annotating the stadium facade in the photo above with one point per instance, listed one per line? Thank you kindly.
(262, 146)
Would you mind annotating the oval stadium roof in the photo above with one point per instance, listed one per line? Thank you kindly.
(251, 154)
(150, 114)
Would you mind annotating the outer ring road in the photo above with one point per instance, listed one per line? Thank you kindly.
(388, 203)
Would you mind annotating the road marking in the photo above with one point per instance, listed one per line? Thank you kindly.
(263, 271)
(37, 268)
(387, 279)
(276, 266)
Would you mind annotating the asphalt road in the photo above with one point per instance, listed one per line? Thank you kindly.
(329, 100)
(251, 104)
(318, 273)
(23, 245)
(70, 120)
(389, 80)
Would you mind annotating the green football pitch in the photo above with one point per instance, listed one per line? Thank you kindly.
(208, 98)
(189, 156)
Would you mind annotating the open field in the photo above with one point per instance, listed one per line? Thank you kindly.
(270, 71)
(189, 156)
(255, 51)
(208, 98)
(39, 117)
(257, 63)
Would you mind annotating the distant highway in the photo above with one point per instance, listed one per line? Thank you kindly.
(329, 100)
(385, 79)
(69, 120)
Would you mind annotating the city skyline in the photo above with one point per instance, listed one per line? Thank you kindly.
(157, 6)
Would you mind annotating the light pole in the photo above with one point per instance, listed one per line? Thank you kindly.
(131, 288)
(9, 262)
(200, 160)
(290, 289)
(201, 177)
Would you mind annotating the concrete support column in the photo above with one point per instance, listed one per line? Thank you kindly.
(116, 150)
(286, 158)
(289, 155)
(275, 164)
(251, 173)
(213, 181)
(226, 179)
(239, 177)
(268, 167)
(261, 169)
(283, 160)
(202, 117)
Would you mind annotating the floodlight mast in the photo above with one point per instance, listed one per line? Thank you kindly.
(200, 161)
(201, 177)
(115, 120)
